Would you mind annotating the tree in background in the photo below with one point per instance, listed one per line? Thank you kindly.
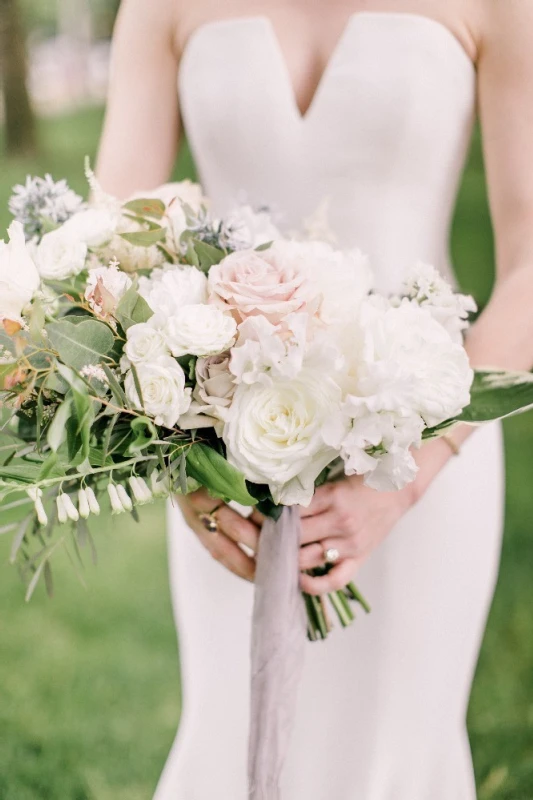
(20, 128)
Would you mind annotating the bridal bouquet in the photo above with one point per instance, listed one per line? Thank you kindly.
(149, 348)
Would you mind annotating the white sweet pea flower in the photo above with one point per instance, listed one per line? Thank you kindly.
(60, 254)
(105, 288)
(168, 290)
(200, 330)
(19, 278)
(163, 390)
(144, 343)
(95, 226)
(273, 434)
(265, 351)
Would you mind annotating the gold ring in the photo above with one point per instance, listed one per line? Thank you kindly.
(209, 521)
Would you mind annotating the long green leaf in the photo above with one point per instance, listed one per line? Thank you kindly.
(219, 477)
(496, 395)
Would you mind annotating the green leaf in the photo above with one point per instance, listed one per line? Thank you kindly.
(496, 395)
(57, 431)
(133, 309)
(264, 246)
(207, 254)
(145, 238)
(97, 459)
(191, 256)
(145, 433)
(36, 322)
(115, 386)
(19, 537)
(81, 344)
(21, 473)
(51, 468)
(219, 477)
(146, 207)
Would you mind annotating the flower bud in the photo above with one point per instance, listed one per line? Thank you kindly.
(141, 492)
(116, 505)
(41, 513)
(61, 510)
(83, 504)
(70, 508)
(91, 499)
(159, 486)
(124, 498)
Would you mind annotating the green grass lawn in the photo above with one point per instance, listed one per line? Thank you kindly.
(89, 689)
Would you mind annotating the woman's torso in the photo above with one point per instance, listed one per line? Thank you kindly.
(370, 111)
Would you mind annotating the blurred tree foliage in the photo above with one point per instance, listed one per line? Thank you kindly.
(42, 16)
(20, 138)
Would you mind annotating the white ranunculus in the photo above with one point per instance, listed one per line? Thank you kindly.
(167, 290)
(342, 278)
(273, 434)
(106, 286)
(60, 254)
(199, 330)
(19, 278)
(94, 226)
(410, 364)
(163, 390)
(144, 343)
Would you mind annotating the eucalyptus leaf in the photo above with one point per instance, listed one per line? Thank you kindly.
(145, 238)
(219, 477)
(133, 309)
(82, 344)
(146, 207)
(207, 254)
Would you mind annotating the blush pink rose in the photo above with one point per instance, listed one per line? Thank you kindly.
(249, 283)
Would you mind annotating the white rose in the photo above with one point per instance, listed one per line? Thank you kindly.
(94, 226)
(106, 286)
(163, 390)
(342, 278)
(19, 278)
(200, 331)
(273, 434)
(167, 290)
(60, 255)
(145, 343)
(410, 364)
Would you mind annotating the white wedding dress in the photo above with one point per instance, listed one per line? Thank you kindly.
(382, 705)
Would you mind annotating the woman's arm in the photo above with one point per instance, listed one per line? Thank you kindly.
(141, 131)
(347, 515)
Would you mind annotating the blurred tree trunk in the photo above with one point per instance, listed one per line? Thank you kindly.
(21, 138)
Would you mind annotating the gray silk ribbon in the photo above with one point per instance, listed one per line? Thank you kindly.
(278, 646)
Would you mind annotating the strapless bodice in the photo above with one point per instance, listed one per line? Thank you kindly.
(384, 140)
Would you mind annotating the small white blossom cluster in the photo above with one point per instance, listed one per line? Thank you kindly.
(42, 200)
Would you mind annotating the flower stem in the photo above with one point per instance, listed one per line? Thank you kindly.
(356, 595)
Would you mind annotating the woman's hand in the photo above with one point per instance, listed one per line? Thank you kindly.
(351, 518)
(233, 531)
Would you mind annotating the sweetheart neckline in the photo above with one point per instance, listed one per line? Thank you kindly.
(352, 19)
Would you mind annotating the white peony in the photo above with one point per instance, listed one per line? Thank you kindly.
(341, 278)
(164, 395)
(60, 254)
(425, 286)
(410, 364)
(144, 343)
(94, 226)
(19, 278)
(273, 434)
(199, 330)
(106, 286)
(168, 290)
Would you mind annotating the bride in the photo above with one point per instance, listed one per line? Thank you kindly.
(370, 105)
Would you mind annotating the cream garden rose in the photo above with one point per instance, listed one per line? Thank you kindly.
(144, 343)
(60, 254)
(164, 395)
(249, 282)
(19, 278)
(167, 290)
(200, 331)
(94, 226)
(273, 434)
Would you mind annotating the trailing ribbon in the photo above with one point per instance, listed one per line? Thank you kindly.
(279, 639)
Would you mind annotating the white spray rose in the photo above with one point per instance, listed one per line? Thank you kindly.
(163, 390)
(19, 278)
(60, 254)
(167, 290)
(144, 343)
(273, 434)
(106, 286)
(200, 330)
(94, 226)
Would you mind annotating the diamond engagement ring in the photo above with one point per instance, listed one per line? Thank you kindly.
(331, 555)
(209, 521)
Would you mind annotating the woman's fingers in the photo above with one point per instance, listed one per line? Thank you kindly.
(241, 530)
(313, 555)
(336, 579)
(322, 500)
(228, 553)
(321, 526)
(201, 501)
